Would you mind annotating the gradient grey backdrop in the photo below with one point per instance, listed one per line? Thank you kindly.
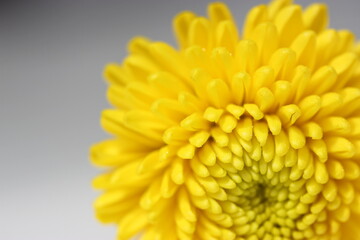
(51, 93)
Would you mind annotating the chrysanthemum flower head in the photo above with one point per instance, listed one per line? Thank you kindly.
(235, 135)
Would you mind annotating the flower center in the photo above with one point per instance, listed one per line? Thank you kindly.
(264, 205)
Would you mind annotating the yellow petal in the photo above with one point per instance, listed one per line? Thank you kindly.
(321, 174)
(132, 223)
(283, 62)
(255, 16)
(316, 17)
(199, 139)
(185, 206)
(218, 93)
(344, 66)
(296, 138)
(226, 35)
(199, 32)
(340, 147)
(246, 56)
(181, 25)
(304, 46)
(289, 23)
(276, 5)
(265, 35)
(309, 106)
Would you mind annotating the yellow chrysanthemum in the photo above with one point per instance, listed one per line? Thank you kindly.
(235, 136)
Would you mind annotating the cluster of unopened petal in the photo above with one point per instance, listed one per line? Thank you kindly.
(251, 137)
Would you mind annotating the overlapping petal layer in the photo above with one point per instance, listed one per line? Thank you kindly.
(252, 135)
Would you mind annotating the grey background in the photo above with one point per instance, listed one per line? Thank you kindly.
(51, 94)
